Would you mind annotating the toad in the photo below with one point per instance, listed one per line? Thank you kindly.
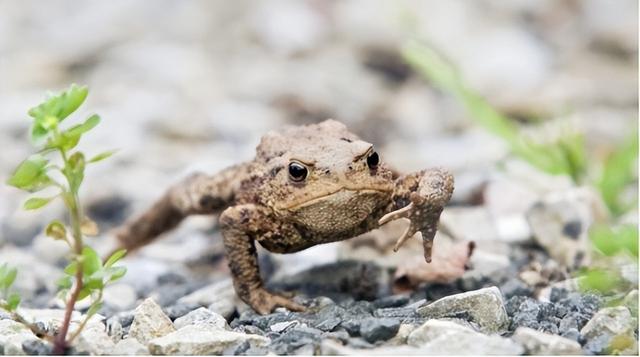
(307, 185)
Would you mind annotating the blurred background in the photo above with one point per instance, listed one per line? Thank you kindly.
(533, 105)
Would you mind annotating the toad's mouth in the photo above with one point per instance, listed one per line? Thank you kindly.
(337, 197)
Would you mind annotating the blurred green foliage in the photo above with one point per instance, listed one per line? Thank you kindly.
(8, 300)
(566, 154)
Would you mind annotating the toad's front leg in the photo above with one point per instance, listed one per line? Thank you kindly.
(240, 225)
(421, 197)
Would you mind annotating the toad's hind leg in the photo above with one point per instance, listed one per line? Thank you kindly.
(239, 227)
(197, 194)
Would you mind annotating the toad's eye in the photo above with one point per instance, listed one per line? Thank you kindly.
(297, 172)
(373, 160)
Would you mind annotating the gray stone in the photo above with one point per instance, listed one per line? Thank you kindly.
(179, 309)
(441, 337)
(294, 339)
(149, 322)
(13, 335)
(540, 343)
(374, 329)
(611, 331)
(554, 220)
(37, 348)
(196, 340)
(130, 347)
(94, 340)
(483, 307)
(282, 326)
(201, 317)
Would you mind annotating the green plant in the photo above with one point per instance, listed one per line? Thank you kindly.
(86, 275)
(8, 300)
(564, 155)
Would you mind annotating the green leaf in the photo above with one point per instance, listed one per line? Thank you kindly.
(75, 171)
(37, 202)
(56, 230)
(601, 280)
(31, 174)
(7, 276)
(62, 105)
(115, 257)
(71, 269)
(116, 273)
(64, 283)
(619, 171)
(84, 292)
(13, 301)
(93, 283)
(90, 261)
(94, 308)
(102, 156)
(80, 129)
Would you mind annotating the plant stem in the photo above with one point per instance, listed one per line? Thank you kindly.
(84, 322)
(73, 205)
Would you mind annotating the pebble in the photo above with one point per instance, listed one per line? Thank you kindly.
(374, 329)
(120, 296)
(540, 343)
(611, 331)
(13, 335)
(201, 317)
(37, 347)
(94, 340)
(149, 322)
(443, 337)
(130, 347)
(196, 340)
(484, 307)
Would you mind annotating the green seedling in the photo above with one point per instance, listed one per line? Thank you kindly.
(86, 276)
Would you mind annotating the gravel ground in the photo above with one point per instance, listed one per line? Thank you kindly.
(192, 85)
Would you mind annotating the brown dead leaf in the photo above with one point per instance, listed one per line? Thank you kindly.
(450, 261)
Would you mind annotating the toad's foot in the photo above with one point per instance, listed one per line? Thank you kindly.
(423, 211)
(264, 302)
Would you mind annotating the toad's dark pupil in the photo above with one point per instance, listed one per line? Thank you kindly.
(297, 171)
(373, 160)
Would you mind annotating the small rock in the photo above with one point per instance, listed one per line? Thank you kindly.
(282, 326)
(540, 343)
(94, 340)
(179, 309)
(195, 340)
(391, 301)
(611, 331)
(149, 322)
(294, 339)
(201, 317)
(550, 218)
(37, 348)
(373, 329)
(484, 307)
(403, 334)
(13, 335)
(129, 347)
(441, 337)
(515, 287)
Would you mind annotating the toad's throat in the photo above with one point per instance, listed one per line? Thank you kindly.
(338, 196)
(338, 212)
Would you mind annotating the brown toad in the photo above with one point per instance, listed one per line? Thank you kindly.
(307, 185)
